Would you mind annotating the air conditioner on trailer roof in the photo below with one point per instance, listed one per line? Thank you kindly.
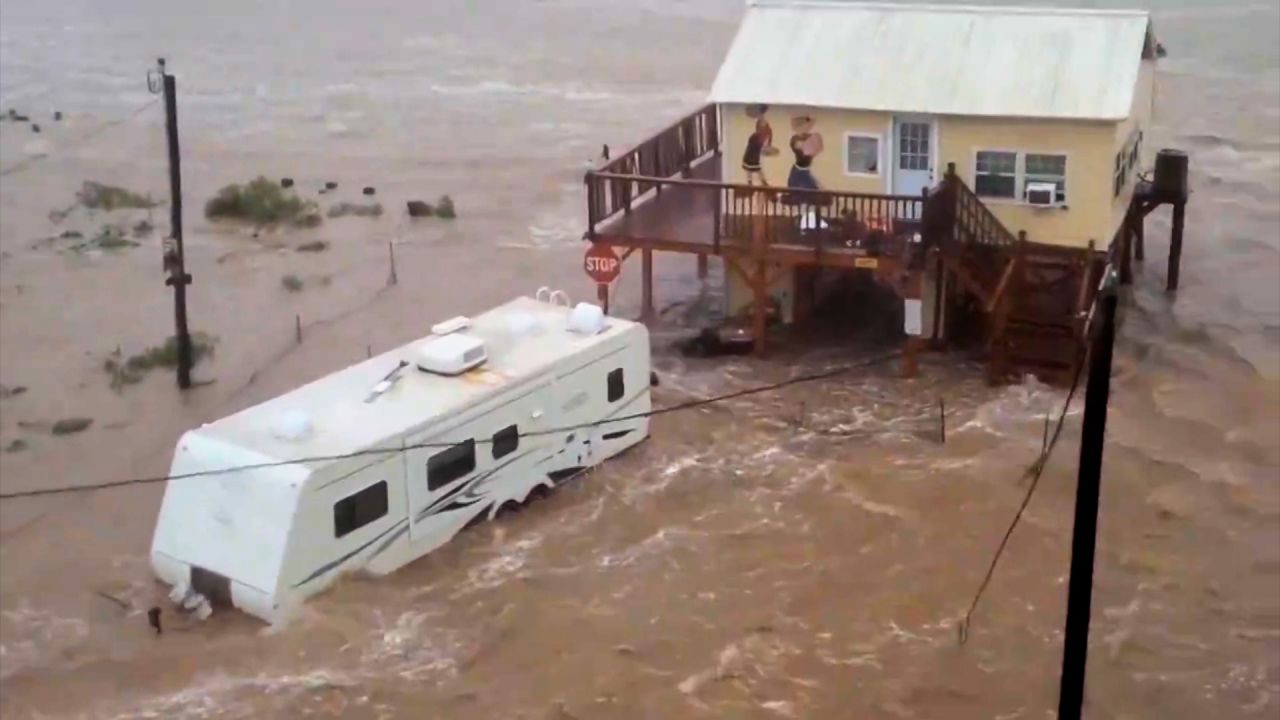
(451, 354)
(1042, 194)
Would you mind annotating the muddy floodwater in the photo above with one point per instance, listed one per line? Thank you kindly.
(753, 559)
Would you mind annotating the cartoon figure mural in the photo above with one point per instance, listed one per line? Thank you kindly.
(759, 144)
(806, 144)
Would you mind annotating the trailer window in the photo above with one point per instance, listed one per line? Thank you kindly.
(448, 465)
(505, 441)
(355, 511)
(616, 387)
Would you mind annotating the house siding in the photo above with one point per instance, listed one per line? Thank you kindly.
(1140, 116)
(1090, 147)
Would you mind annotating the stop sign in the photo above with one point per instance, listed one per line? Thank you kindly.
(601, 263)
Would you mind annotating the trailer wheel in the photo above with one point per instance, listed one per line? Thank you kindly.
(539, 492)
(509, 507)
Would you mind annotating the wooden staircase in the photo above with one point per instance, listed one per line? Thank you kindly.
(1031, 296)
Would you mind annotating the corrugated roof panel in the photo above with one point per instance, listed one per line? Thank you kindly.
(993, 61)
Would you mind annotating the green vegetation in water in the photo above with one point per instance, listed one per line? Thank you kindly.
(262, 202)
(142, 229)
(313, 247)
(132, 370)
(109, 237)
(344, 209)
(71, 425)
(18, 445)
(292, 283)
(99, 196)
(444, 208)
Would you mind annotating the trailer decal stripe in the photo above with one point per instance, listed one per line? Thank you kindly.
(335, 563)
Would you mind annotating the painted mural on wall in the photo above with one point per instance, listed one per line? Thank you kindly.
(759, 144)
(806, 144)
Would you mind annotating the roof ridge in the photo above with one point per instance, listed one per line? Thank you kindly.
(935, 7)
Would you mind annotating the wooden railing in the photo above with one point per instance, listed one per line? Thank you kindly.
(741, 214)
(670, 152)
(970, 221)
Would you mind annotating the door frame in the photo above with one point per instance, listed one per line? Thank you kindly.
(934, 149)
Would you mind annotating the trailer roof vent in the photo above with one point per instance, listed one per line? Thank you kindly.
(291, 425)
(451, 354)
(452, 325)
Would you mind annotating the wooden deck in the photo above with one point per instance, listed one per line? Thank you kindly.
(702, 215)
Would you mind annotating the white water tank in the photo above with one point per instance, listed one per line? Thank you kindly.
(586, 319)
(451, 354)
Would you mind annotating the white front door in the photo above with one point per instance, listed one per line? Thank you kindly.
(913, 155)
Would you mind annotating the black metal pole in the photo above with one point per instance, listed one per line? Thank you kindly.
(1075, 646)
(178, 277)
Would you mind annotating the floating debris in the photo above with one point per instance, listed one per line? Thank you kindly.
(368, 191)
(417, 208)
(292, 283)
(18, 445)
(286, 182)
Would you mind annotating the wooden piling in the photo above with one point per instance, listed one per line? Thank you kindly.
(1175, 244)
(1125, 238)
(702, 266)
(391, 251)
(297, 328)
(1139, 235)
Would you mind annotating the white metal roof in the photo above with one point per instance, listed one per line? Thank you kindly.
(954, 60)
(524, 338)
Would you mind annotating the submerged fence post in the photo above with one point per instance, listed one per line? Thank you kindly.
(942, 421)
(391, 251)
(297, 328)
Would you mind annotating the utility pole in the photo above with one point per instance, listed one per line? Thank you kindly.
(174, 255)
(1075, 645)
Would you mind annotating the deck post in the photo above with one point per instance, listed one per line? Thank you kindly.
(646, 286)
(1175, 243)
(717, 218)
(939, 287)
(702, 266)
(759, 306)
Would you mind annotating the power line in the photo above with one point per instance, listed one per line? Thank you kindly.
(77, 142)
(1037, 468)
(689, 405)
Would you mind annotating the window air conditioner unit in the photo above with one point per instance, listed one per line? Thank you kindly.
(1042, 194)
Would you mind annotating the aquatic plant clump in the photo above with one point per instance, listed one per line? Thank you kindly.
(262, 202)
(99, 196)
(131, 370)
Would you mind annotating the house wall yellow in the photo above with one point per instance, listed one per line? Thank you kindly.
(1090, 147)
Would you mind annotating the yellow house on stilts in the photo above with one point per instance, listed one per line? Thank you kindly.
(980, 161)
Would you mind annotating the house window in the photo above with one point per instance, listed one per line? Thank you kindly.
(616, 387)
(1046, 169)
(996, 174)
(862, 154)
(448, 465)
(505, 441)
(355, 511)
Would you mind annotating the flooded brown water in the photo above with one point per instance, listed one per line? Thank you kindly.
(737, 565)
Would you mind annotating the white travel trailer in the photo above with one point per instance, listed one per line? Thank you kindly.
(413, 445)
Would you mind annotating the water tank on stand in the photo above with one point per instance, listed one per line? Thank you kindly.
(1171, 174)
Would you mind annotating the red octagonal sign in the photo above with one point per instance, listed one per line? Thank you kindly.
(601, 263)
